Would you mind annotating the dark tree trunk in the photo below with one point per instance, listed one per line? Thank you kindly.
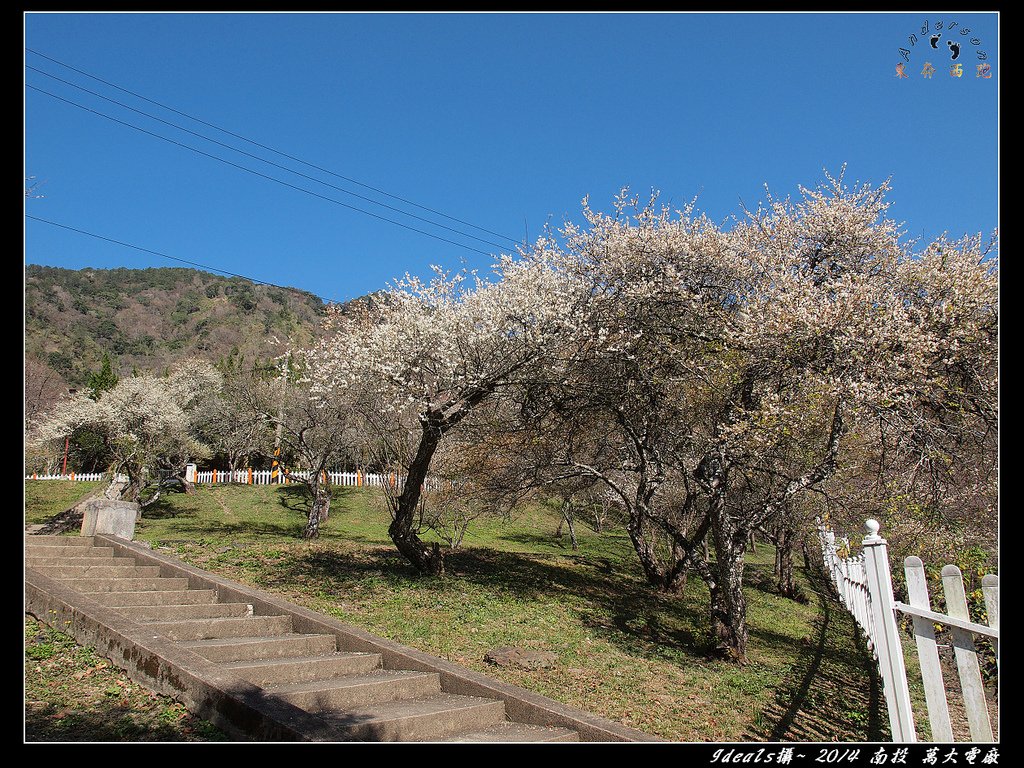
(320, 509)
(567, 517)
(784, 541)
(728, 604)
(427, 560)
(130, 491)
(667, 578)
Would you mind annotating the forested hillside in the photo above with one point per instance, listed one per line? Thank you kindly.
(147, 319)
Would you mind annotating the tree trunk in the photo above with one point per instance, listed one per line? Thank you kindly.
(784, 541)
(567, 516)
(129, 491)
(427, 560)
(666, 578)
(728, 604)
(116, 489)
(321, 507)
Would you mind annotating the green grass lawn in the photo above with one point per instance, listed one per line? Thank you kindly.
(72, 694)
(45, 498)
(623, 651)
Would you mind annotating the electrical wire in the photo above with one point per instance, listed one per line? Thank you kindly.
(264, 160)
(269, 148)
(257, 173)
(175, 258)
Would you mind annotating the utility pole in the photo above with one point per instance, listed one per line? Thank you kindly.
(275, 467)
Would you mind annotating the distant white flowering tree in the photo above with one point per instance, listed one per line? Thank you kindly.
(318, 427)
(150, 423)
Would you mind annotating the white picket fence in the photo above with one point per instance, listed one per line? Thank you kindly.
(864, 584)
(77, 476)
(264, 477)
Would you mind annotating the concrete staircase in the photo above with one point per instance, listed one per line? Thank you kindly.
(264, 669)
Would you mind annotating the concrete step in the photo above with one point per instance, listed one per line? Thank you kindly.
(143, 613)
(155, 597)
(257, 648)
(304, 669)
(211, 629)
(52, 550)
(59, 541)
(350, 691)
(34, 561)
(430, 719)
(75, 572)
(509, 732)
(155, 584)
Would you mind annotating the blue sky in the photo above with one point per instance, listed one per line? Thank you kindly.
(505, 121)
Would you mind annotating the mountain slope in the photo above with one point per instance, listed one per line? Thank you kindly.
(148, 319)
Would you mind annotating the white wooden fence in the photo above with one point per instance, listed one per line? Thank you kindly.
(864, 584)
(263, 477)
(82, 476)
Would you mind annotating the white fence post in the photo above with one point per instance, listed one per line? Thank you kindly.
(990, 589)
(887, 637)
(927, 652)
(966, 657)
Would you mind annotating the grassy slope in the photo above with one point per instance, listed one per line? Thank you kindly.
(45, 498)
(71, 694)
(624, 652)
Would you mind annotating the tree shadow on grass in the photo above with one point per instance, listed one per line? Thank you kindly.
(620, 608)
(761, 576)
(295, 498)
(246, 528)
(162, 509)
(821, 700)
(337, 573)
(532, 539)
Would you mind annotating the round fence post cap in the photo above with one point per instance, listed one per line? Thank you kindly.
(872, 526)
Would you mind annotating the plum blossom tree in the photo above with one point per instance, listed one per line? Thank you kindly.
(149, 423)
(710, 376)
(438, 350)
(730, 366)
(317, 428)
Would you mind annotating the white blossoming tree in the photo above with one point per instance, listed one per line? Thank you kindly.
(150, 423)
(726, 368)
(437, 351)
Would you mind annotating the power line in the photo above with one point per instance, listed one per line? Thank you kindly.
(272, 149)
(256, 173)
(263, 160)
(173, 258)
